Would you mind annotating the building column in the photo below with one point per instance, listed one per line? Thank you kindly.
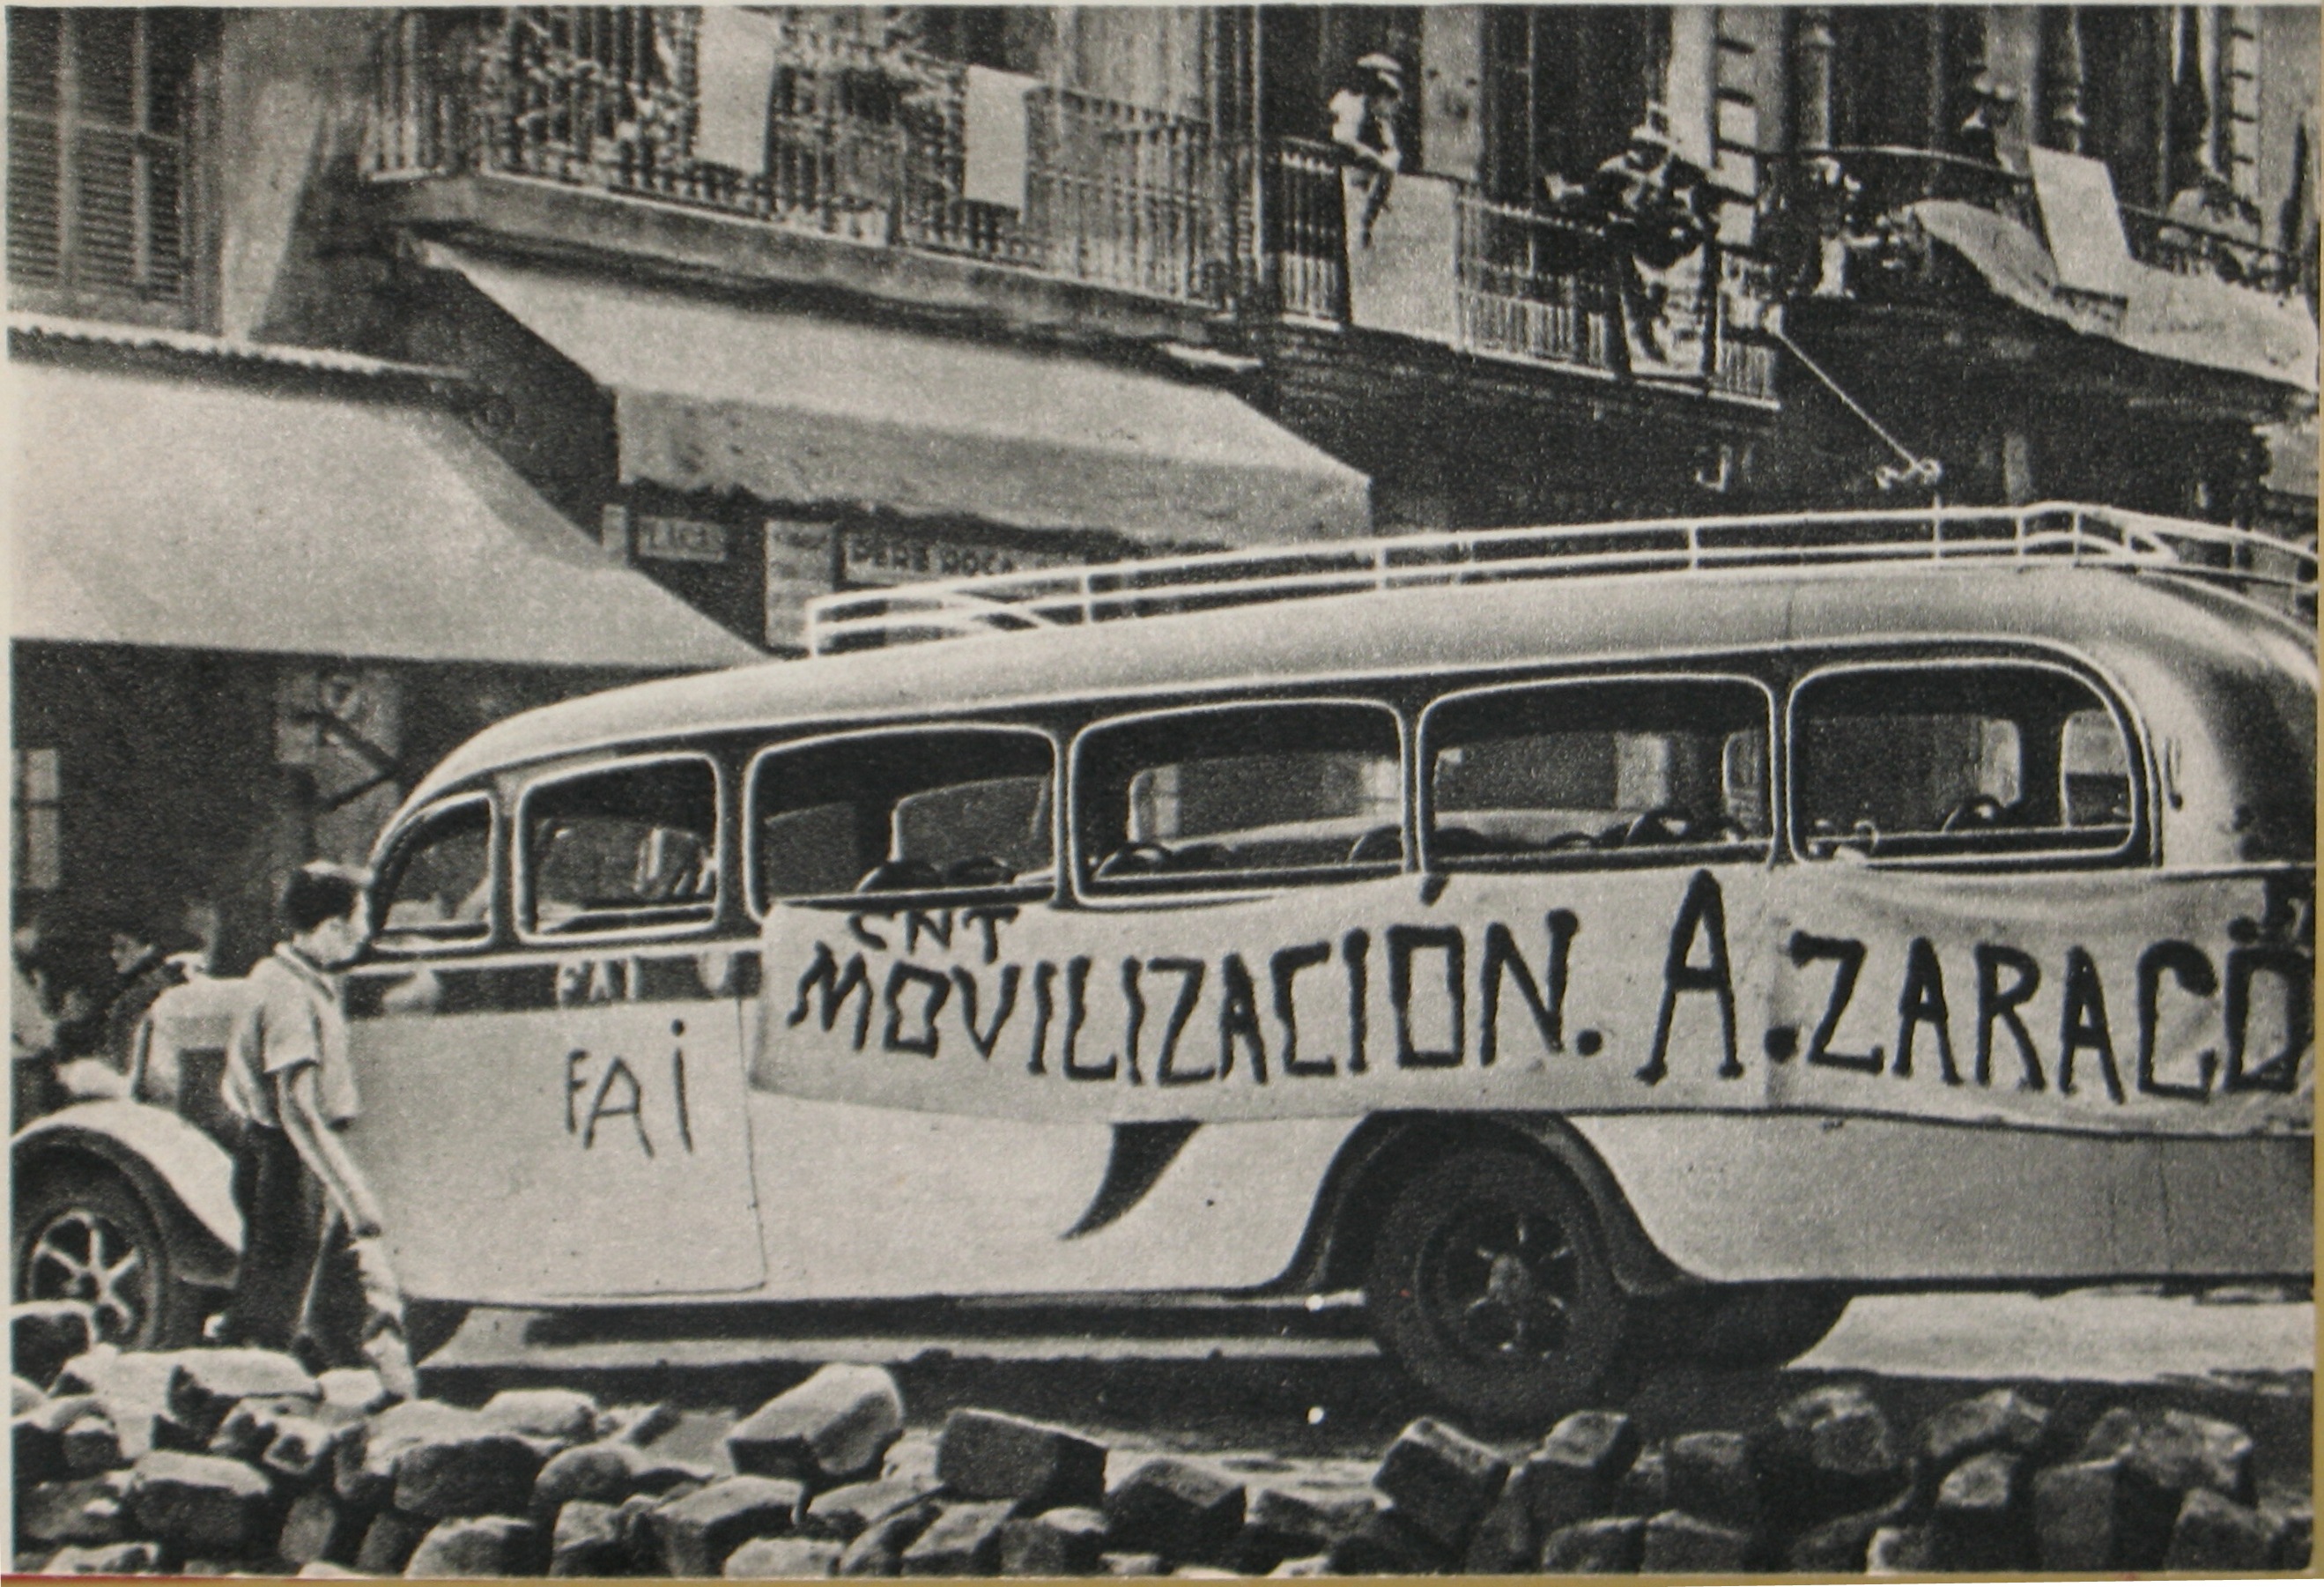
(2062, 53)
(1811, 100)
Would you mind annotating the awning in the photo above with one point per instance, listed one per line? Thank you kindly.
(2191, 318)
(157, 511)
(797, 407)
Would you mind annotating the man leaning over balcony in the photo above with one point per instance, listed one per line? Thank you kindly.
(1363, 112)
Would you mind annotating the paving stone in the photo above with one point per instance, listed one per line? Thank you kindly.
(1387, 1543)
(472, 1471)
(1678, 1543)
(1206, 1572)
(1611, 1545)
(1575, 1473)
(1181, 1509)
(44, 1335)
(2000, 1419)
(633, 1521)
(323, 1570)
(964, 1540)
(880, 1550)
(1506, 1541)
(2181, 1452)
(696, 1533)
(2295, 1529)
(36, 1440)
(477, 1545)
(249, 1428)
(363, 1463)
(116, 1559)
(833, 1428)
(81, 1509)
(587, 1541)
(1312, 1565)
(562, 1416)
(201, 1502)
(984, 1454)
(1897, 1551)
(2217, 1536)
(25, 1395)
(302, 1446)
(1132, 1564)
(636, 1424)
(205, 1384)
(2102, 1515)
(1645, 1488)
(1840, 1546)
(388, 1543)
(1280, 1524)
(1067, 1542)
(912, 1458)
(92, 1443)
(841, 1514)
(134, 1388)
(602, 1473)
(1712, 1478)
(318, 1527)
(352, 1391)
(783, 1559)
(1828, 1453)
(1980, 1520)
(1440, 1480)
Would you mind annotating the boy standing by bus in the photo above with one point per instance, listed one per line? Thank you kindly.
(313, 1266)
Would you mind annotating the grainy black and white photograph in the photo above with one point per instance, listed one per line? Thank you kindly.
(1126, 791)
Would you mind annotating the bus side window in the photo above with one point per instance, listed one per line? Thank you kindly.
(1943, 759)
(1674, 765)
(630, 846)
(437, 888)
(918, 809)
(1265, 793)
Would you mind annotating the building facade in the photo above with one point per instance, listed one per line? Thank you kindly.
(754, 303)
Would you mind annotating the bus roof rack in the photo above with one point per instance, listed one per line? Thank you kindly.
(2256, 566)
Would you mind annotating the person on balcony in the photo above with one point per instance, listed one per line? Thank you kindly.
(1364, 110)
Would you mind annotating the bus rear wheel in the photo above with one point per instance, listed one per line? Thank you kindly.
(1489, 1283)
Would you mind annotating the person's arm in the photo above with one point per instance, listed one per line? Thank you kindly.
(300, 1103)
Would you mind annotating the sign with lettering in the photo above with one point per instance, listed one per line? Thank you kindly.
(875, 557)
(2141, 1005)
(680, 539)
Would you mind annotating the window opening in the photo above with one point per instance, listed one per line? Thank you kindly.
(1957, 760)
(926, 810)
(98, 113)
(1261, 793)
(438, 885)
(1676, 768)
(39, 859)
(635, 847)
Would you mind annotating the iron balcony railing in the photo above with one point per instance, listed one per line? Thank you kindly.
(868, 144)
(2186, 247)
(2255, 566)
(860, 143)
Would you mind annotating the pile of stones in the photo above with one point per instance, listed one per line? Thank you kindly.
(211, 1462)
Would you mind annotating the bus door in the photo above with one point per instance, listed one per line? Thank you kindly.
(565, 1122)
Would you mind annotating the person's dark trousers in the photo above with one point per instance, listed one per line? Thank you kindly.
(282, 1234)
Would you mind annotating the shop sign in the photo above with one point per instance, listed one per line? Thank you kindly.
(680, 539)
(875, 558)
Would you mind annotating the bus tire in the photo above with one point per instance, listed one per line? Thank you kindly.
(1488, 1284)
(82, 1232)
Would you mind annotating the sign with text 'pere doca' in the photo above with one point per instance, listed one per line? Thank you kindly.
(2099, 1002)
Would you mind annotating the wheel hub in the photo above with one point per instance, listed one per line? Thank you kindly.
(84, 1256)
(1505, 1282)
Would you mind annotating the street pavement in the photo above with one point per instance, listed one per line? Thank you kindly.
(1301, 1388)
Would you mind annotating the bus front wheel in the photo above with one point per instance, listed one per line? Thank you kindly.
(1489, 1283)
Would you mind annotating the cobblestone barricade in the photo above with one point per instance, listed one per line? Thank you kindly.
(214, 1462)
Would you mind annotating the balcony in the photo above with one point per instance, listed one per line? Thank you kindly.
(863, 145)
(871, 148)
(1446, 265)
